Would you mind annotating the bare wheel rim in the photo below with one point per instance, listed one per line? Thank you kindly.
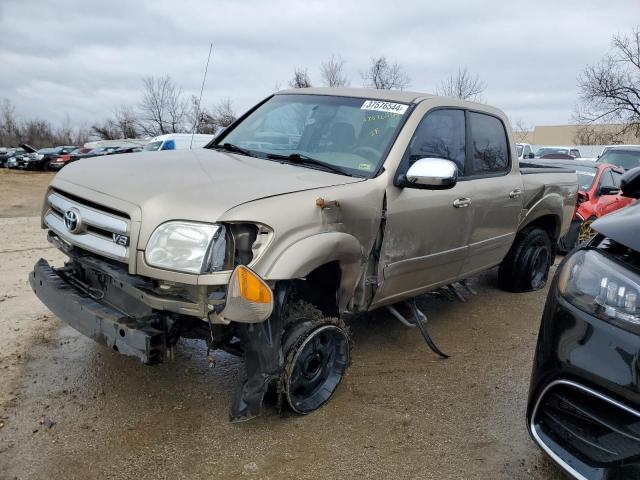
(586, 232)
(538, 264)
(317, 368)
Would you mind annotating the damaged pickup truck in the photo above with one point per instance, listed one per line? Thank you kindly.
(315, 204)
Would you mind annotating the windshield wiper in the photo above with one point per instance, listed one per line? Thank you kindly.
(305, 159)
(230, 147)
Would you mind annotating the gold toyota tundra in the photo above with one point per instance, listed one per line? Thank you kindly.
(315, 204)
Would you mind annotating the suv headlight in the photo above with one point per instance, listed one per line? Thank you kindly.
(602, 287)
(187, 247)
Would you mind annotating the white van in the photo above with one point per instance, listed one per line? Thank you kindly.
(177, 141)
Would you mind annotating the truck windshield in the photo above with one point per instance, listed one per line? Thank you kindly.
(626, 159)
(353, 134)
(152, 146)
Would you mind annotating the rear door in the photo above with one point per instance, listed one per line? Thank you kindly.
(496, 190)
(426, 231)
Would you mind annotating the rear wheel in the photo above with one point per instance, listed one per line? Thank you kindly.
(317, 355)
(526, 266)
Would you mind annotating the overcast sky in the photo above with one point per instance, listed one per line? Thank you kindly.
(81, 58)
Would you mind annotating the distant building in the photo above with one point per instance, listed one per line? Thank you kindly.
(576, 135)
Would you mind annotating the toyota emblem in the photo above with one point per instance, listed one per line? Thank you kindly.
(72, 220)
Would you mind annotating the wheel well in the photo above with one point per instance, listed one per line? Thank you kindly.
(549, 223)
(320, 288)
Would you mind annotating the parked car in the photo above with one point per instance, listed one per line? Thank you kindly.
(352, 203)
(598, 195)
(93, 152)
(178, 141)
(524, 151)
(41, 159)
(61, 160)
(609, 147)
(544, 151)
(626, 157)
(584, 397)
(127, 149)
(9, 153)
(17, 159)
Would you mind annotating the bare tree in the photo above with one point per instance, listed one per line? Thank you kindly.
(590, 134)
(9, 131)
(463, 85)
(385, 76)
(105, 131)
(223, 113)
(300, 79)
(521, 131)
(163, 108)
(209, 121)
(610, 90)
(332, 72)
(124, 124)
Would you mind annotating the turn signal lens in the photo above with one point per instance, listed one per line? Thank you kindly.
(252, 287)
(249, 298)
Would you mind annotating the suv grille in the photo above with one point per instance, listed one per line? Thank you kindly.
(600, 433)
(89, 227)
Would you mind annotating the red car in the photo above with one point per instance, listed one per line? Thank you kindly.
(61, 160)
(598, 194)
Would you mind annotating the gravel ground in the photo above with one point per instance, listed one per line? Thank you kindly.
(70, 408)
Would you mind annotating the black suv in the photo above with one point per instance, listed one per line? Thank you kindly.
(584, 397)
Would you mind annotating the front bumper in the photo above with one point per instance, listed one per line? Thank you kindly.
(584, 399)
(97, 320)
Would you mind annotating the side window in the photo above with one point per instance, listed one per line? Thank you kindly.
(575, 153)
(440, 134)
(489, 151)
(527, 151)
(607, 180)
(616, 178)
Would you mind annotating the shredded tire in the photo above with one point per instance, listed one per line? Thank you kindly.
(302, 320)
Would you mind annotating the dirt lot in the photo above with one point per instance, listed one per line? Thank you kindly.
(72, 409)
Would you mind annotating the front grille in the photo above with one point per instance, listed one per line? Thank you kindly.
(599, 432)
(97, 226)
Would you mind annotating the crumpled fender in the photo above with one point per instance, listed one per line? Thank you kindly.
(304, 256)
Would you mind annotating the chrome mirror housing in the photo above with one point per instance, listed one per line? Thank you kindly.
(432, 173)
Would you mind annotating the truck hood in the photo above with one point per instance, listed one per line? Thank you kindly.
(197, 185)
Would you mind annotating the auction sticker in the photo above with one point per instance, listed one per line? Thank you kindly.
(388, 107)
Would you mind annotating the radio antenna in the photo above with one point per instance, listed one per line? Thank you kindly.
(204, 78)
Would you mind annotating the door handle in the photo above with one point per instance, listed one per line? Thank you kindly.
(462, 202)
(515, 193)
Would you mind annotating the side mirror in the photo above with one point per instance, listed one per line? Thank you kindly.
(531, 155)
(432, 174)
(630, 183)
(609, 190)
(582, 197)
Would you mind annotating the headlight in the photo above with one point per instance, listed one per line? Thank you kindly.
(187, 247)
(602, 287)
